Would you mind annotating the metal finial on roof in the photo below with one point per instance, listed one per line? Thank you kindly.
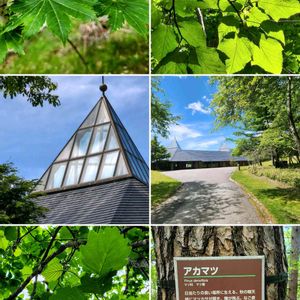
(103, 87)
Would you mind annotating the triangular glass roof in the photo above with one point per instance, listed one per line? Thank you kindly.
(100, 150)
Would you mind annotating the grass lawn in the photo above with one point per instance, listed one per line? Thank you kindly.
(121, 53)
(162, 187)
(283, 202)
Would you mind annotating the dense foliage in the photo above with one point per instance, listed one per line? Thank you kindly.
(74, 263)
(265, 112)
(22, 19)
(290, 177)
(37, 89)
(225, 36)
(17, 204)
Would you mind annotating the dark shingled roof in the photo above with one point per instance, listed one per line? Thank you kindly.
(205, 156)
(121, 202)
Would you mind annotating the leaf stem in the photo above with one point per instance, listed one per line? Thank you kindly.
(78, 53)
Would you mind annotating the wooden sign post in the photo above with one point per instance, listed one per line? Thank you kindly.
(220, 278)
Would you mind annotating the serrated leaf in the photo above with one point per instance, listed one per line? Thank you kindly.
(33, 14)
(95, 285)
(53, 270)
(163, 41)
(268, 55)
(135, 12)
(256, 17)
(274, 30)
(11, 233)
(238, 51)
(17, 252)
(10, 41)
(105, 251)
(192, 31)
(26, 271)
(68, 293)
(279, 9)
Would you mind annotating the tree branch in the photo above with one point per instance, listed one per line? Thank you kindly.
(57, 229)
(39, 269)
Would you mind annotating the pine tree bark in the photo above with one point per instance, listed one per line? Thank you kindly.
(193, 241)
(294, 263)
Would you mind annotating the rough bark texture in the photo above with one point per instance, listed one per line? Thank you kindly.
(193, 241)
(294, 263)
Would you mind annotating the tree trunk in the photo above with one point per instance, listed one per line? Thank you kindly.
(294, 263)
(292, 125)
(196, 241)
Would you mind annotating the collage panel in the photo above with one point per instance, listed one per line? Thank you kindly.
(74, 262)
(73, 154)
(225, 150)
(74, 37)
(224, 262)
(225, 37)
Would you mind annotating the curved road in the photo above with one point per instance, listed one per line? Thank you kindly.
(207, 196)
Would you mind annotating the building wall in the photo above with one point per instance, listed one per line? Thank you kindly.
(166, 165)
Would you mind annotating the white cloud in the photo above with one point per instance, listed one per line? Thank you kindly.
(203, 145)
(206, 99)
(182, 132)
(198, 107)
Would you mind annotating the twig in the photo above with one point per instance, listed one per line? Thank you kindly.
(236, 10)
(57, 229)
(39, 269)
(79, 54)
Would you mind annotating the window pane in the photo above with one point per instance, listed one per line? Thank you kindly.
(56, 175)
(121, 169)
(65, 154)
(73, 172)
(42, 183)
(112, 141)
(90, 169)
(91, 119)
(108, 165)
(103, 115)
(81, 142)
(99, 138)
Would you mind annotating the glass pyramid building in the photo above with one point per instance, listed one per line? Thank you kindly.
(100, 151)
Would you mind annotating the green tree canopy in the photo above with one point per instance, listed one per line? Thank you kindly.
(37, 89)
(75, 262)
(161, 116)
(17, 204)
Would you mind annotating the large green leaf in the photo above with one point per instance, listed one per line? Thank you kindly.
(192, 31)
(3, 241)
(256, 17)
(163, 41)
(105, 251)
(32, 14)
(238, 51)
(280, 9)
(135, 12)
(95, 285)
(268, 55)
(68, 293)
(53, 270)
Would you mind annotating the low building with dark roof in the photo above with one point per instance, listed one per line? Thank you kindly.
(194, 159)
(99, 177)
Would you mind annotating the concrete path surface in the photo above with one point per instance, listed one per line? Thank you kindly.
(207, 196)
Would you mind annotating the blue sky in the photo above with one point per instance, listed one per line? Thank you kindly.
(32, 137)
(190, 98)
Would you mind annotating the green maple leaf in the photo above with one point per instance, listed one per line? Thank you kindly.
(10, 41)
(33, 14)
(105, 251)
(135, 12)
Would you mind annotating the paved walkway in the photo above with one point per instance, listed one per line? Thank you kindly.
(208, 196)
